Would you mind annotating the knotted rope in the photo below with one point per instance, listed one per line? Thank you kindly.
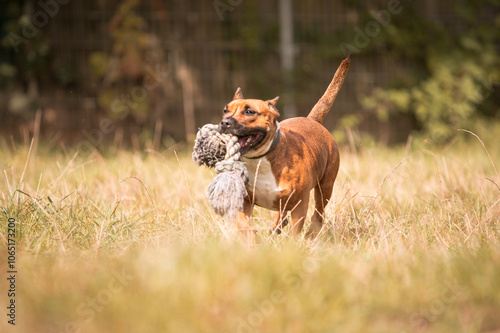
(226, 192)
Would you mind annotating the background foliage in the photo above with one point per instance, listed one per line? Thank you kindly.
(453, 73)
(433, 68)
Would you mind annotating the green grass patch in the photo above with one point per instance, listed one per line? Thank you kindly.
(126, 242)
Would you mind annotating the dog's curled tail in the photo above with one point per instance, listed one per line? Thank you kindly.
(320, 110)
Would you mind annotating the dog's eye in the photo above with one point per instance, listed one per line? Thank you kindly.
(225, 111)
(249, 112)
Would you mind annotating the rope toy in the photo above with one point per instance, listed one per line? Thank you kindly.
(226, 192)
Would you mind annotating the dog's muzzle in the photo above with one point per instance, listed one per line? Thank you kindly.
(227, 124)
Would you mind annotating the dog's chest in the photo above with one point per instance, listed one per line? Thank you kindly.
(262, 186)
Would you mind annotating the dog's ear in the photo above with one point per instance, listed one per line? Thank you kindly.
(272, 102)
(238, 94)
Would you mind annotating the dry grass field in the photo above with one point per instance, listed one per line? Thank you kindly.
(125, 241)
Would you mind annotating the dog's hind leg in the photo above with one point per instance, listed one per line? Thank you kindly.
(322, 194)
(299, 214)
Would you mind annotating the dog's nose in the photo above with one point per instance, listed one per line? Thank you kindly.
(225, 124)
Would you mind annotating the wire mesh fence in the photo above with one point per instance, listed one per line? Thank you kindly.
(174, 64)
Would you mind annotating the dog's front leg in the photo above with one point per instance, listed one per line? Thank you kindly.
(244, 225)
(280, 222)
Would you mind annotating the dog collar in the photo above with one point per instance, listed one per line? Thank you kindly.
(273, 144)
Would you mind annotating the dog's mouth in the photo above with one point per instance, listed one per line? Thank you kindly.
(250, 141)
(248, 137)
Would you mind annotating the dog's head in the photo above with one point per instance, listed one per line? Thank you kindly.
(253, 121)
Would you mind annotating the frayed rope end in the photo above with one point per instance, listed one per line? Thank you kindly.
(226, 194)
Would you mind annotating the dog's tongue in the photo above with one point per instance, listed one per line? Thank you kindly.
(247, 141)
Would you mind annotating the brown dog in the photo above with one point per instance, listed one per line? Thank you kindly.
(285, 160)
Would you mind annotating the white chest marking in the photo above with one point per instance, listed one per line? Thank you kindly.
(262, 182)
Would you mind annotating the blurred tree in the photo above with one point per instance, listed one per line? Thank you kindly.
(122, 71)
(432, 68)
(451, 73)
(24, 58)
